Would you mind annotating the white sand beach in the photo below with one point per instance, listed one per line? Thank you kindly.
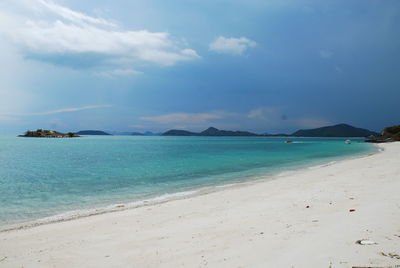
(311, 218)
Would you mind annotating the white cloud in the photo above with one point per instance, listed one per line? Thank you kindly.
(236, 46)
(309, 122)
(182, 118)
(275, 118)
(263, 113)
(190, 52)
(259, 119)
(338, 69)
(117, 73)
(72, 15)
(63, 110)
(255, 113)
(44, 27)
(73, 109)
(136, 126)
(325, 54)
(6, 118)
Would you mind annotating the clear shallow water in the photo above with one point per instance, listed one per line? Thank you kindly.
(44, 177)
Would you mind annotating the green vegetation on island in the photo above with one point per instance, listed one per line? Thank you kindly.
(44, 133)
(388, 134)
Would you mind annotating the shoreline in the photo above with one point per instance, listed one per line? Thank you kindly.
(169, 197)
(159, 199)
(312, 218)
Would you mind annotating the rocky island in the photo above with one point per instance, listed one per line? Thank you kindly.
(388, 134)
(44, 133)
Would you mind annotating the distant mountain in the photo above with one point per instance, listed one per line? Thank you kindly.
(340, 130)
(147, 133)
(276, 135)
(178, 132)
(209, 132)
(119, 133)
(92, 132)
(212, 131)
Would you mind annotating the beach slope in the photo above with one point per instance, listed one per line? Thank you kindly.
(310, 218)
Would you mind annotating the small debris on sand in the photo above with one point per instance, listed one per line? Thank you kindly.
(365, 242)
(352, 210)
(395, 266)
(391, 255)
(307, 206)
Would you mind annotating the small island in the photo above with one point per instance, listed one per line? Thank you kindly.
(44, 133)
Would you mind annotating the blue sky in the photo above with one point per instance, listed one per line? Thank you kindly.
(263, 66)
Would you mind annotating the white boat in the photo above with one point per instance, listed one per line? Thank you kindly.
(347, 141)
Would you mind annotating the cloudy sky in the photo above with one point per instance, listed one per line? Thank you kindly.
(263, 66)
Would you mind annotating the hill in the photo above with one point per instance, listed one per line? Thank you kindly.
(147, 133)
(392, 132)
(178, 132)
(388, 134)
(209, 132)
(276, 135)
(92, 132)
(137, 134)
(340, 130)
(212, 131)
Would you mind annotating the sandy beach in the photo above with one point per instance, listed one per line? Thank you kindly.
(310, 218)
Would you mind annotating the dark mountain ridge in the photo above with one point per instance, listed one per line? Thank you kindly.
(147, 133)
(209, 132)
(340, 130)
(92, 132)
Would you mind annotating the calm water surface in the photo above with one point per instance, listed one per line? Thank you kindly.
(44, 177)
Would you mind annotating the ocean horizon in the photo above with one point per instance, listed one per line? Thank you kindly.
(42, 178)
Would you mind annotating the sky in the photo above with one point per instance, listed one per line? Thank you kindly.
(268, 66)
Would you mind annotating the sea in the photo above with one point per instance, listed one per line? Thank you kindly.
(53, 178)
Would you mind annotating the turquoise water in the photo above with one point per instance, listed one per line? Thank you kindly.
(44, 177)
